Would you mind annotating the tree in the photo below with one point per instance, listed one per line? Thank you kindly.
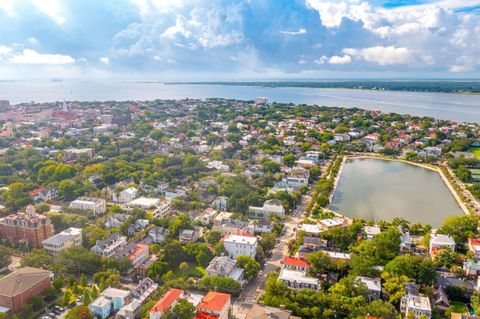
(69, 189)
(183, 266)
(86, 298)
(101, 285)
(381, 309)
(94, 293)
(249, 266)
(445, 257)
(38, 258)
(67, 297)
(319, 262)
(184, 309)
(83, 280)
(464, 174)
(80, 312)
(395, 286)
(413, 266)
(460, 228)
(58, 283)
(50, 294)
(36, 302)
(213, 237)
(223, 284)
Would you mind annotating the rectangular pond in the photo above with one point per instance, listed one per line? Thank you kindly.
(376, 189)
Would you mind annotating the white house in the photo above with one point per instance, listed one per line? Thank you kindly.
(161, 208)
(125, 196)
(297, 177)
(158, 234)
(270, 207)
(225, 267)
(438, 241)
(374, 286)
(297, 279)
(109, 246)
(70, 237)
(97, 206)
(237, 245)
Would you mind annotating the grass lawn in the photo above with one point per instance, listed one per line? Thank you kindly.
(475, 151)
(457, 307)
(193, 270)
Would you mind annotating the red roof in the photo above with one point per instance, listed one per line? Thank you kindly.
(167, 301)
(474, 242)
(298, 262)
(36, 191)
(204, 315)
(139, 249)
(214, 301)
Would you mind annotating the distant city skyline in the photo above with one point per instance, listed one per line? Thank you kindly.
(199, 40)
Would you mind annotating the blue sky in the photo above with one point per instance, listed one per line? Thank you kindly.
(239, 39)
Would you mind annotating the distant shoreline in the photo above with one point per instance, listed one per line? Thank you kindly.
(390, 86)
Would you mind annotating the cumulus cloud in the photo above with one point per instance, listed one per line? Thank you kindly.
(382, 55)
(4, 50)
(291, 37)
(340, 59)
(105, 60)
(29, 56)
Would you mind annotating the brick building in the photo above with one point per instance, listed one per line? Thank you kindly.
(17, 288)
(26, 228)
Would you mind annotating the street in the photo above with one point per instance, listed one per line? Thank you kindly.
(255, 288)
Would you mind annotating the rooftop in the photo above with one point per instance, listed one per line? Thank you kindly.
(214, 301)
(167, 300)
(292, 261)
(22, 279)
(249, 240)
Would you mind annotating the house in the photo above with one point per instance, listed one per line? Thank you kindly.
(438, 241)
(129, 311)
(224, 266)
(138, 226)
(214, 304)
(97, 206)
(333, 222)
(220, 203)
(471, 268)
(125, 196)
(190, 235)
(161, 208)
(338, 256)
(41, 194)
(237, 245)
(158, 234)
(371, 231)
(295, 263)
(144, 290)
(313, 230)
(206, 218)
(115, 220)
(264, 312)
(109, 302)
(414, 305)
(406, 241)
(231, 227)
(136, 253)
(374, 286)
(70, 237)
(74, 153)
(440, 299)
(270, 207)
(466, 285)
(260, 226)
(18, 287)
(168, 301)
(474, 246)
(109, 246)
(298, 176)
(297, 279)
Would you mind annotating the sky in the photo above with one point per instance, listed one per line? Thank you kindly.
(214, 40)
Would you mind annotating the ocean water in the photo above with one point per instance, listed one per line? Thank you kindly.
(457, 107)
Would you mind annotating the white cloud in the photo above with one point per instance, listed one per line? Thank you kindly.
(340, 59)
(5, 50)
(52, 8)
(177, 30)
(33, 41)
(382, 55)
(7, 7)
(30, 56)
(300, 31)
(321, 60)
(105, 60)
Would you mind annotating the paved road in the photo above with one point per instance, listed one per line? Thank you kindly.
(256, 287)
